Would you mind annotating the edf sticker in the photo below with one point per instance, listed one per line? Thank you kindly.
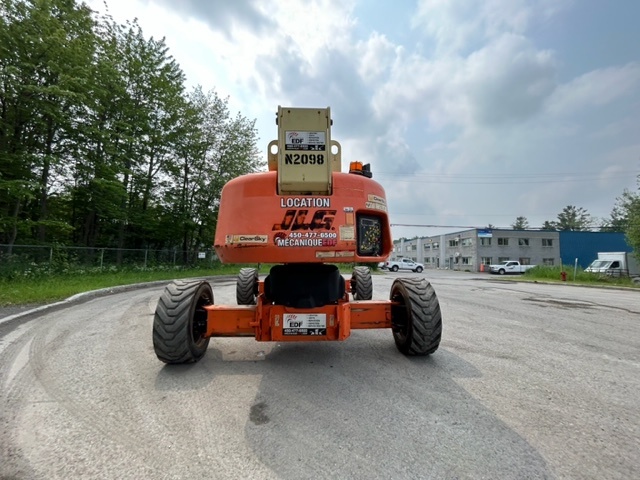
(304, 324)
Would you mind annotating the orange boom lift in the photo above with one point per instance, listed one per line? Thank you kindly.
(305, 216)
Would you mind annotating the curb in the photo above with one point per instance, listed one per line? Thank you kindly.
(566, 284)
(86, 296)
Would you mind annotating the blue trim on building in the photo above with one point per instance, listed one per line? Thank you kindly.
(585, 246)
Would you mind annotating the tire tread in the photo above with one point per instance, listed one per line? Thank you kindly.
(245, 286)
(425, 332)
(363, 289)
(171, 335)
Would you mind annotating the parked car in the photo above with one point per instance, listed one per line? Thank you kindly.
(509, 266)
(403, 264)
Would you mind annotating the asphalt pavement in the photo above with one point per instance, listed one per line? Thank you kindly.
(530, 381)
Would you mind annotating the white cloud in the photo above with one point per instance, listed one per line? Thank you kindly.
(595, 88)
(620, 162)
(226, 16)
(506, 80)
(376, 55)
(457, 25)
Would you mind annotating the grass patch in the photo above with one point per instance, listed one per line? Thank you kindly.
(49, 288)
(43, 285)
(553, 274)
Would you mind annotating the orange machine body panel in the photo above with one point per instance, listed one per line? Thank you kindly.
(256, 225)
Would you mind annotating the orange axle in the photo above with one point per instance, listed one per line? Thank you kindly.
(265, 321)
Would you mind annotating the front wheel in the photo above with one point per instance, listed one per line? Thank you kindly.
(180, 322)
(415, 316)
(361, 283)
(501, 271)
(419, 269)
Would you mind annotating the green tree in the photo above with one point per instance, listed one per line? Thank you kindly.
(46, 47)
(100, 145)
(573, 219)
(154, 88)
(95, 189)
(625, 216)
(221, 149)
(619, 219)
(547, 225)
(521, 223)
(633, 227)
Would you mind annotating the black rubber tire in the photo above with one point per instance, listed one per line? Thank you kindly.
(247, 286)
(394, 268)
(417, 320)
(501, 271)
(361, 283)
(180, 322)
(419, 269)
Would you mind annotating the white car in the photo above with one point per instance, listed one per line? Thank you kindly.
(509, 266)
(404, 264)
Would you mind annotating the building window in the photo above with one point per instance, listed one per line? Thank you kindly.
(466, 260)
(503, 241)
(466, 242)
(487, 260)
(503, 259)
(427, 247)
(415, 259)
(436, 245)
(523, 242)
(547, 261)
(547, 242)
(454, 243)
(485, 241)
(427, 260)
(525, 261)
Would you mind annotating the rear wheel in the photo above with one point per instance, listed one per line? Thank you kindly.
(180, 322)
(419, 269)
(247, 286)
(416, 318)
(361, 283)
(394, 268)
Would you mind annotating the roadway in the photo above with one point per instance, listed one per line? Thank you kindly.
(530, 381)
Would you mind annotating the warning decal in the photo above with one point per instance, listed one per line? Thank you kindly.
(297, 140)
(304, 324)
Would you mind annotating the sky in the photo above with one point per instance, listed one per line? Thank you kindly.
(470, 112)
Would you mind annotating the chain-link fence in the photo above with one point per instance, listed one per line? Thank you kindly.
(15, 258)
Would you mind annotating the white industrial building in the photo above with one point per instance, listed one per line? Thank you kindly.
(473, 249)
